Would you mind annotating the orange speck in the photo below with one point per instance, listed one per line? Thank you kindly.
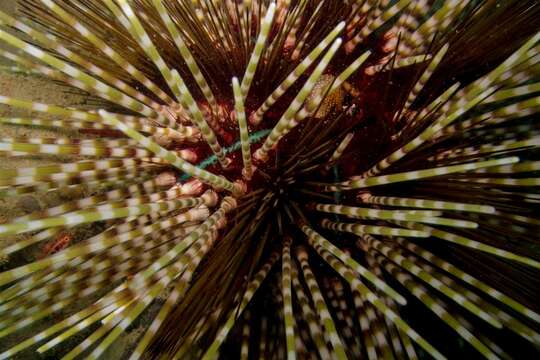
(61, 242)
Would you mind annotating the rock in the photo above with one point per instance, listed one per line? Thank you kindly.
(28, 204)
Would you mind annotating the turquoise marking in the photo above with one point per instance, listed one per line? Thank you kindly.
(253, 138)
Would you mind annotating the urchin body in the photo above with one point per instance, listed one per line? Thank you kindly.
(337, 163)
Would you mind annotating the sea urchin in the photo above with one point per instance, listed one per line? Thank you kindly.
(311, 179)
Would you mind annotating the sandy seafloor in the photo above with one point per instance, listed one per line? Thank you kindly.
(18, 83)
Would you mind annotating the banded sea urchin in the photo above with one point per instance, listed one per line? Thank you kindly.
(312, 179)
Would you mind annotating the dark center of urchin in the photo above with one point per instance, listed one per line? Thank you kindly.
(279, 188)
(402, 237)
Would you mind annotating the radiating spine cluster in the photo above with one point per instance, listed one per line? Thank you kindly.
(257, 182)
